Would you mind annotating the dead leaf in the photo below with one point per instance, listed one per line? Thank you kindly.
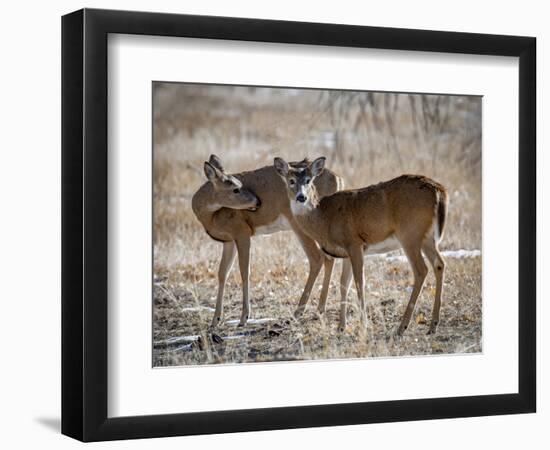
(421, 319)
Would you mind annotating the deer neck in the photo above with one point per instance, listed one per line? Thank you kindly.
(204, 207)
(309, 215)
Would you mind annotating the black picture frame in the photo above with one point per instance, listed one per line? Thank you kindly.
(84, 224)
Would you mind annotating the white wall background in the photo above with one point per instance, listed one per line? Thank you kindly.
(30, 221)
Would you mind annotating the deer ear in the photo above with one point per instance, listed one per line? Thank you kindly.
(317, 166)
(216, 162)
(211, 172)
(281, 166)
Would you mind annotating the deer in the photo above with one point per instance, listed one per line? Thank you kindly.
(233, 208)
(407, 212)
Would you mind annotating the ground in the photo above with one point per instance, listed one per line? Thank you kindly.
(184, 300)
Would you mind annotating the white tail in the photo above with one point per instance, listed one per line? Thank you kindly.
(409, 210)
(233, 208)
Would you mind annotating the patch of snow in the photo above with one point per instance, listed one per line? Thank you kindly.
(178, 339)
(197, 308)
(251, 321)
(185, 348)
(462, 253)
(455, 254)
(234, 337)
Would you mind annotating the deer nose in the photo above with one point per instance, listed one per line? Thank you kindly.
(301, 198)
(258, 203)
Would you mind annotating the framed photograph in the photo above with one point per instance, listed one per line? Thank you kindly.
(273, 224)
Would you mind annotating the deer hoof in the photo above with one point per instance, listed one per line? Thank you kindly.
(433, 327)
(401, 330)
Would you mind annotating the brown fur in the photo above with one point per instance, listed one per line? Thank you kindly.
(408, 208)
(228, 224)
(403, 206)
(235, 227)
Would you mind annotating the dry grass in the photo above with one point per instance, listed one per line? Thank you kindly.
(367, 138)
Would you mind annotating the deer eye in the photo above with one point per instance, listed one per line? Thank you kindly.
(292, 182)
(236, 190)
(307, 180)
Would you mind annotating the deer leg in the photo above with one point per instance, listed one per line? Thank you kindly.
(438, 264)
(356, 258)
(329, 264)
(243, 248)
(414, 255)
(344, 287)
(315, 258)
(228, 256)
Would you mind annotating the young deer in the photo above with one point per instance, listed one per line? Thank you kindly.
(408, 211)
(233, 208)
